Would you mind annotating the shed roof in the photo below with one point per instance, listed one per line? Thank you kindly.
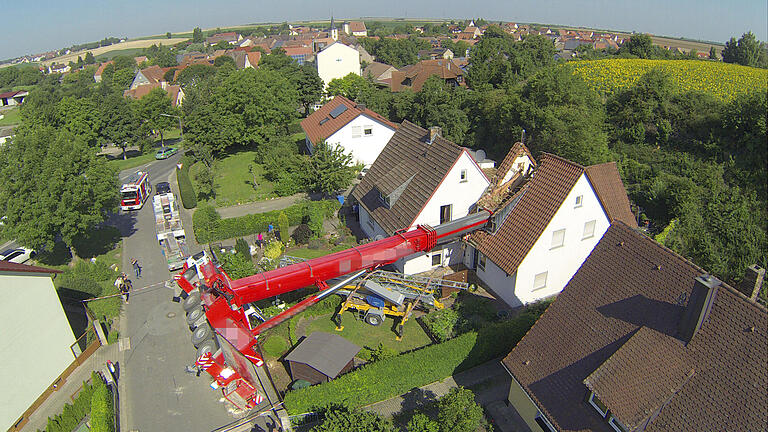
(325, 352)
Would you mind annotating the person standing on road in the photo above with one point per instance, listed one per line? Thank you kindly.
(136, 267)
(260, 240)
(123, 284)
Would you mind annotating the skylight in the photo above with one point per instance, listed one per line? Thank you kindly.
(339, 110)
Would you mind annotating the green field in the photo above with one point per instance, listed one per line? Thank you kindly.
(723, 80)
(233, 181)
(133, 52)
(10, 117)
(365, 335)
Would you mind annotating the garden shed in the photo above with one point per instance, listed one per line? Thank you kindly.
(321, 357)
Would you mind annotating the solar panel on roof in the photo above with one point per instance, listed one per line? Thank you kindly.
(325, 119)
(338, 111)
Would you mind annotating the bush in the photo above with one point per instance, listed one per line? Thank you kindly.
(341, 418)
(237, 265)
(421, 423)
(282, 222)
(316, 243)
(205, 218)
(458, 411)
(80, 283)
(73, 414)
(315, 221)
(208, 230)
(186, 190)
(102, 409)
(442, 324)
(302, 234)
(242, 248)
(413, 369)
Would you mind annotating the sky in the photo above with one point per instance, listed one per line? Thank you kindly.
(32, 27)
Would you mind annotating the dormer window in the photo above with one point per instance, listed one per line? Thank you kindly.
(597, 404)
(384, 199)
(617, 425)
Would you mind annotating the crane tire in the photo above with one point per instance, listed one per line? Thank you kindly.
(194, 315)
(201, 334)
(192, 301)
(208, 345)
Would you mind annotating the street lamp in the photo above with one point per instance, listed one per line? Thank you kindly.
(181, 129)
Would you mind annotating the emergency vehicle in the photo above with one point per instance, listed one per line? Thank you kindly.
(135, 191)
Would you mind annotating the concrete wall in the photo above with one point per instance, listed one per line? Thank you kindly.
(363, 148)
(369, 226)
(35, 341)
(501, 284)
(337, 61)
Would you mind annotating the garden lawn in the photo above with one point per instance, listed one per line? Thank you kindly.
(365, 335)
(11, 117)
(233, 182)
(132, 162)
(307, 253)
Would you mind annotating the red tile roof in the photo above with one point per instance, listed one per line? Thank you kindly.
(253, 58)
(11, 93)
(153, 73)
(318, 129)
(300, 50)
(610, 191)
(419, 73)
(143, 90)
(103, 66)
(615, 328)
(357, 26)
(6, 266)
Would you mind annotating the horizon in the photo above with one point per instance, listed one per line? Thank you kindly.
(56, 25)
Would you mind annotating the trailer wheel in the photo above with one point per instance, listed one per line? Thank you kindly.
(373, 319)
(208, 345)
(192, 301)
(194, 315)
(201, 334)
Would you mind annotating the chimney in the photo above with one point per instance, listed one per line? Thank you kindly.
(699, 304)
(752, 282)
(434, 132)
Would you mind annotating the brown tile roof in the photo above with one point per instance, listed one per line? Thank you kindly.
(103, 66)
(292, 51)
(143, 90)
(418, 74)
(376, 70)
(628, 283)
(6, 266)
(411, 167)
(318, 128)
(545, 192)
(610, 191)
(153, 73)
(253, 58)
(357, 26)
(542, 196)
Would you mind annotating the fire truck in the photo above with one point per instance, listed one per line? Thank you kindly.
(218, 308)
(135, 191)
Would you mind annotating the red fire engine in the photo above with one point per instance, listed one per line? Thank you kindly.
(135, 191)
(225, 301)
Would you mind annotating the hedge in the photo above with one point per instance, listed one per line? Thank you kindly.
(102, 408)
(209, 226)
(413, 369)
(186, 190)
(73, 414)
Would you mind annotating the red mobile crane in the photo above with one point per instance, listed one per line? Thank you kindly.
(224, 299)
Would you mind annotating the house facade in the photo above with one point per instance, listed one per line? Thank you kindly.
(150, 75)
(362, 133)
(337, 61)
(419, 178)
(13, 98)
(641, 339)
(545, 228)
(36, 343)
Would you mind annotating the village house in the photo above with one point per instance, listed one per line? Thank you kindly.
(362, 133)
(436, 53)
(100, 71)
(355, 28)
(544, 224)
(420, 178)
(150, 75)
(641, 339)
(175, 92)
(337, 61)
(379, 73)
(13, 98)
(230, 37)
(414, 76)
(37, 346)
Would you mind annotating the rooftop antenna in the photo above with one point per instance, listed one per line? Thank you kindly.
(522, 137)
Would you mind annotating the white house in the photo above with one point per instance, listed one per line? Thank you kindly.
(35, 340)
(337, 61)
(361, 132)
(545, 225)
(355, 28)
(419, 178)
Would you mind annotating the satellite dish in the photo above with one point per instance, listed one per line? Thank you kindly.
(480, 155)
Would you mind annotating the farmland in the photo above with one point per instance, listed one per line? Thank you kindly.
(722, 80)
(132, 44)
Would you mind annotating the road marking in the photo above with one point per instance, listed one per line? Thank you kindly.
(124, 344)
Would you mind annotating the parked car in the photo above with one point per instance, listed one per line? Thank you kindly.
(17, 255)
(162, 188)
(165, 153)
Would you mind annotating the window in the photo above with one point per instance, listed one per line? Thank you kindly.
(589, 230)
(463, 178)
(370, 222)
(481, 261)
(384, 199)
(356, 131)
(617, 425)
(579, 200)
(437, 259)
(598, 404)
(543, 423)
(368, 130)
(540, 281)
(445, 213)
(558, 238)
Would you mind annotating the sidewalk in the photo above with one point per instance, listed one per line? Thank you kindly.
(66, 391)
(260, 206)
(489, 381)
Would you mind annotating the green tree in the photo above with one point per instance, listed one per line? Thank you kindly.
(119, 125)
(89, 59)
(53, 186)
(309, 87)
(639, 45)
(458, 412)
(282, 222)
(421, 423)
(197, 35)
(206, 187)
(747, 51)
(163, 57)
(81, 117)
(223, 60)
(712, 53)
(330, 169)
(168, 35)
(437, 104)
(338, 418)
(149, 110)
(193, 75)
(497, 60)
(351, 86)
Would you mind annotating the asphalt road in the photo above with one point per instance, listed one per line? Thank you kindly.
(156, 393)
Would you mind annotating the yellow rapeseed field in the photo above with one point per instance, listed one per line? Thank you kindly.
(723, 80)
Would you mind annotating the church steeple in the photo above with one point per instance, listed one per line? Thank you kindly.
(334, 31)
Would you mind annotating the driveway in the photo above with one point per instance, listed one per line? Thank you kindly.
(156, 394)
